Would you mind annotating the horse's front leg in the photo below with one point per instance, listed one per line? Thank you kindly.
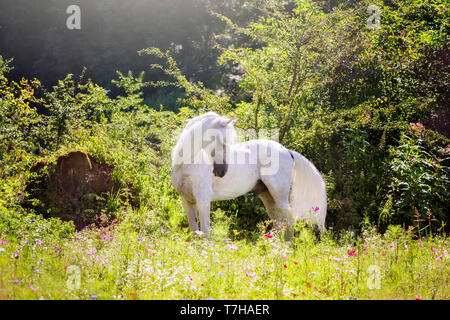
(204, 206)
(191, 212)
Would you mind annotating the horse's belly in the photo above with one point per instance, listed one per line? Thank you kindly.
(238, 180)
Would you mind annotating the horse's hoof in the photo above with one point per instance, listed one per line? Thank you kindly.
(199, 234)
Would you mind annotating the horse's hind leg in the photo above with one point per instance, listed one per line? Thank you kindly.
(272, 211)
(191, 212)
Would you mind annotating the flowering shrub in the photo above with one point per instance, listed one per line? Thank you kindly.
(419, 184)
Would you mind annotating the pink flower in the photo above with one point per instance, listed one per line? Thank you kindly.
(232, 246)
(433, 249)
(101, 259)
(352, 253)
(417, 127)
(283, 256)
(268, 236)
(250, 274)
(420, 242)
(32, 288)
(366, 115)
(39, 242)
(417, 298)
(315, 209)
(91, 252)
(3, 241)
(440, 257)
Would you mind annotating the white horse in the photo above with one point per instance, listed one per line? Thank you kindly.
(208, 164)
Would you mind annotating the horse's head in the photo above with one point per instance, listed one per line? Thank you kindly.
(217, 136)
(211, 133)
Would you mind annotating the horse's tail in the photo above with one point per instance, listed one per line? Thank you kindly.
(308, 197)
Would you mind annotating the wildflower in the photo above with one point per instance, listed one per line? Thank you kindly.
(383, 254)
(295, 262)
(16, 281)
(315, 209)
(41, 262)
(268, 236)
(433, 249)
(93, 296)
(39, 242)
(417, 298)
(32, 288)
(283, 256)
(352, 253)
(420, 243)
(440, 257)
(3, 241)
(36, 271)
(101, 259)
(232, 246)
(250, 274)
(91, 252)
(105, 237)
(133, 294)
(285, 266)
(16, 254)
(33, 220)
(220, 274)
(366, 115)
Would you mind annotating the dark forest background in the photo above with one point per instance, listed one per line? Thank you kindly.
(34, 33)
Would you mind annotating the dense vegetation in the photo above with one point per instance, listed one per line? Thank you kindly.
(368, 106)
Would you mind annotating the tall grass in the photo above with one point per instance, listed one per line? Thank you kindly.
(135, 260)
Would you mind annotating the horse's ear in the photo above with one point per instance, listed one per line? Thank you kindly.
(228, 121)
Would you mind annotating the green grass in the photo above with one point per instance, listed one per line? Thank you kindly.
(128, 262)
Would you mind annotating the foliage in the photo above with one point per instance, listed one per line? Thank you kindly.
(361, 103)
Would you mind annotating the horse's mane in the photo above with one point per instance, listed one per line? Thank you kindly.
(200, 121)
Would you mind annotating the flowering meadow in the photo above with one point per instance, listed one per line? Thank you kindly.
(121, 263)
(87, 206)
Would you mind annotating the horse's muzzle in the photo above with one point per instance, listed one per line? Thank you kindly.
(220, 170)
